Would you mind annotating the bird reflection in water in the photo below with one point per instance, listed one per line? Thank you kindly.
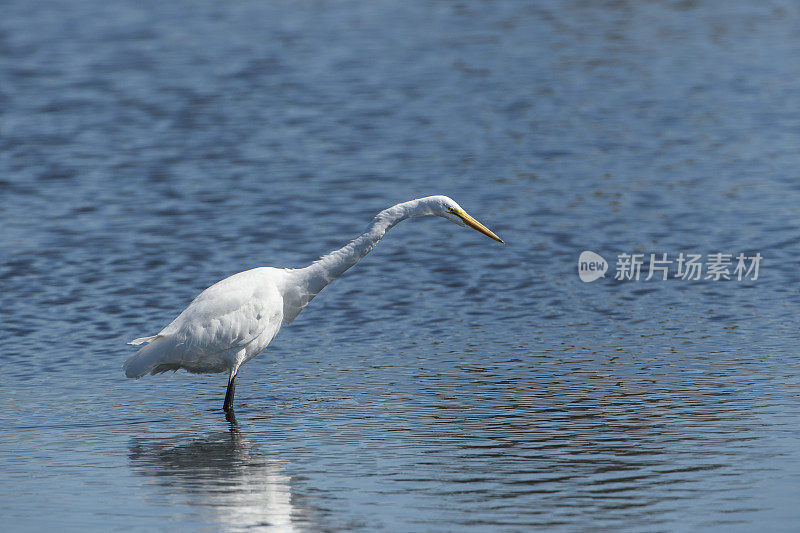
(221, 476)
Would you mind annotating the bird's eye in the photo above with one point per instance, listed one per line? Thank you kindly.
(451, 210)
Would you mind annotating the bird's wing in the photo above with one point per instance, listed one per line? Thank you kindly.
(226, 317)
(223, 318)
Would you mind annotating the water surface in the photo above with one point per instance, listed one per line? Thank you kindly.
(446, 383)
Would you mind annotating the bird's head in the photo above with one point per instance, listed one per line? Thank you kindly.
(446, 207)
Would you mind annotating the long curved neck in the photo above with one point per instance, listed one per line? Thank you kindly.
(305, 283)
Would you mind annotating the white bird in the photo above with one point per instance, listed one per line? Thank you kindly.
(233, 320)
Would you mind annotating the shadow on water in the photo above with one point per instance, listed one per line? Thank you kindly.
(221, 477)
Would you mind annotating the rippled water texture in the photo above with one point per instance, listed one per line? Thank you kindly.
(446, 383)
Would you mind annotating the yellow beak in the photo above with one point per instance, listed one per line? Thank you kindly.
(474, 224)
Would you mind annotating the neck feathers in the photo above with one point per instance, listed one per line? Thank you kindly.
(305, 283)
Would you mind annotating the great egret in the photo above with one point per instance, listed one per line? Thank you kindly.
(230, 322)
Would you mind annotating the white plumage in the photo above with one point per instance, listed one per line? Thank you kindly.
(233, 320)
(226, 325)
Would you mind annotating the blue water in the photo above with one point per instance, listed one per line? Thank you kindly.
(446, 383)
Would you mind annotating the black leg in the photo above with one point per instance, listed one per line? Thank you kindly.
(228, 405)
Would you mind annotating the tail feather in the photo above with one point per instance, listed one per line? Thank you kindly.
(149, 357)
(142, 340)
